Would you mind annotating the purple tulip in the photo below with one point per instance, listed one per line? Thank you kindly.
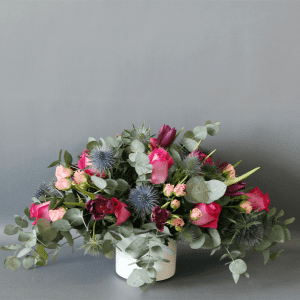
(165, 136)
(233, 190)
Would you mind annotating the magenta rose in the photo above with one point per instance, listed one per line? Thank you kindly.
(258, 199)
(210, 215)
(165, 136)
(84, 162)
(39, 211)
(161, 162)
(153, 144)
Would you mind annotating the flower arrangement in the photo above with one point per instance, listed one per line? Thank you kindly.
(152, 189)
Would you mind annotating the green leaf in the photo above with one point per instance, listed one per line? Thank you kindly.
(238, 266)
(287, 234)
(215, 250)
(244, 176)
(55, 253)
(28, 261)
(142, 159)
(271, 212)
(266, 254)
(144, 287)
(264, 244)
(216, 189)
(157, 252)
(112, 142)
(176, 156)
(208, 244)
(68, 237)
(236, 277)
(215, 236)
(45, 229)
(11, 229)
(277, 234)
(188, 135)
(149, 226)
(74, 216)
(111, 186)
(289, 221)
(123, 186)
(61, 225)
(151, 272)
(224, 256)
(198, 243)
(91, 145)
(90, 139)
(12, 262)
(274, 255)
(126, 229)
(52, 203)
(25, 236)
(42, 252)
(23, 252)
(27, 213)
(11, 247)
(246, 274)
(41, 262)
(99, 182)
(137, 146)
(54, 164)
(138, 247)
(68, 158)
(107, 246)
(200, 132)
(135, 279)
(110, 254)
(59, 155)
(212, 129)
(189, 144)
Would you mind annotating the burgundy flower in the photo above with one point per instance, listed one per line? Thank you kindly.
(159, 216)
(233, 190)
(201, 157)
(222, 166)
(165, 136)
(99, 207)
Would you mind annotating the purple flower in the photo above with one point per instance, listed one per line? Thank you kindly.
(160, 216)
(99, 207)
(165, 136)
(233, 190)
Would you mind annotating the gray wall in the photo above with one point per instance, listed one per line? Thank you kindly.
(74, 69)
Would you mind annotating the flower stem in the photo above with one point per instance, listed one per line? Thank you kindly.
(94, 226)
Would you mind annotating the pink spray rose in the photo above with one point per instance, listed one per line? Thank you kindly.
(161, 162)
(231, 169)
(84, 162)
(178, 223)
(246, 206)
(62, 172)
(56, 214)
(258, 199)
(39, 211)
(175, 204)
(210, 215)
(168, 189)
(80, 178)
(179, 190)
(63, 184)
(195, 214)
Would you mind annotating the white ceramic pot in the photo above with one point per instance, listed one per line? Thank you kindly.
(123, 260)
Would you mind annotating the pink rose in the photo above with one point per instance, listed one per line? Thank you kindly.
(39, 211)
(56, 214)
(175, 204)
(231, 169)
(62, 172)
(122, 214)
(153, 144)
(210, 215)
(168, 189)
(246, 206)
(80, 178)
(258, 199)
(84, 162)
(63, 184)
(161, 162)
(179, 190)
(195, 214)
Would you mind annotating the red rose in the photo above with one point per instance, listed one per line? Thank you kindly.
(258, 199)
(210, 215)
(161, 161)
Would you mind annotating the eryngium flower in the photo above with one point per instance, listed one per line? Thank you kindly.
(166, 136)
(191, 165)
(140, 133)
(102, 158)
(142, 200)
(47, 187)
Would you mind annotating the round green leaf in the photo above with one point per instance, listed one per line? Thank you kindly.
(200, 132)
(99, 182)
(189, 144)
(137, 146)
(28, 261)
(238, 266)
(198, 243)
(23, 252)
(215, 236)
(212, 129)
(152, 272)
(11, 229)
(135, 279)
(142, 159)
(264, 244)
(74, 216)
(61, 225)
(157, 252)
(20, 222)
(216, 189)
(138, 247)
(12, 262)
(277, 234)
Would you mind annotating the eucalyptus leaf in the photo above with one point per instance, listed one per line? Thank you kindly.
(200, 132)
(138, 247)
(238, 266)
(42, 252)
(266, 254)
(289, 221)
(137, 146)
(157, 252)
(216, 189)
(142, 159)
(12, 262)
(176, 156)
(20, 222)
(68, 158)
(263, 244)
(236, 277)
(152, 272)
(28, 261)
(23, 252)
(287, 234)
(110, 254)
(212, 129)
(99, 182)
(198, 243)
(277, 234)
(126, 229)
(61, 225)
(11, 229)
(45, 229)
(189, 144)
(11, 247)
(216, 239)
(27, 213)
(134, 279)
(74, 216)
(25, 236)
(68, 237)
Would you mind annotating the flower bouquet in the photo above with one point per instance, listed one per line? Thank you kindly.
(151, 193)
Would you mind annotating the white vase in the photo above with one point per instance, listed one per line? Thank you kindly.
(123, 260)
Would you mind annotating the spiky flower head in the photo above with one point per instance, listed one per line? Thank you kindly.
(47, 187)
(139, 133)
(191, 165)
(143, 199)
(248, 230)
(92, 247)
(102, 158)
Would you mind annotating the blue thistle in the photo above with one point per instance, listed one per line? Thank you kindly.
(52, 189)
(102, 158)
(191, 165)
(49, 187)
(142, 200)
(40, 191)
(140, 133)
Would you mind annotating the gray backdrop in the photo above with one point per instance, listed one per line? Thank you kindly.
(74, 69)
